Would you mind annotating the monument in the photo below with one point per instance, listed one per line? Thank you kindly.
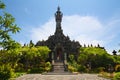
(60, 45)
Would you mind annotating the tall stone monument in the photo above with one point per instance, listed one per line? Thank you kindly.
(61, 46)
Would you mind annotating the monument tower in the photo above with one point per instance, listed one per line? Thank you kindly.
(60, 45)
(58, 19)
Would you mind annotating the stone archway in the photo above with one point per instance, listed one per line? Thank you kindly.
(59, 53)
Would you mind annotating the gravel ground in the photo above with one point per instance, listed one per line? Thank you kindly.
(61, 77)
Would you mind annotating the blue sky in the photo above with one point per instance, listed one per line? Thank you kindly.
(87, 21)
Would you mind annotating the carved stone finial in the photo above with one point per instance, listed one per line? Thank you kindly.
(58, 8)
(58, 15)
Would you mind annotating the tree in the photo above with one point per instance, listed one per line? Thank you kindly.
(11, 56)
(2, 5)
(114, 52)
(31, 44)
(97, 57)
(11, 49)
(7, 27)
(34, 56)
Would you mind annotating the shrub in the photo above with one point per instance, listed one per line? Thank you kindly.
(81, 68)
(72, 64)
(20, 68)
(36, 70)
(6, 72)
(48, 66)
(117, 76)
(117, 68)
(99, 69)
(71, 68)
(104, 74)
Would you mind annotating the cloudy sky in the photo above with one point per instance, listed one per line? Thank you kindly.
(86, 21)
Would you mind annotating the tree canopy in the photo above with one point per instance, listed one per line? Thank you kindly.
(95, 57)
(7, 27)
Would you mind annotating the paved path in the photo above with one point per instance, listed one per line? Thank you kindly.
(60, 77)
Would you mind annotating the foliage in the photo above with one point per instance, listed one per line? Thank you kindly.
(26, 58)
(19, 68)
(7, 27)
(72, 65)
(104, 74)
(99, 69)
(82, 59)
(117, 59)
(95, 57)
(2, 5)
(12, 45)
(71, 68)
(48, 66)
(82, 68)
(18, 74)
(11, 56)
(43, 51)
(6, 72)
(36, 70)
(117, 76)
(33, 57)
(117, 68)
(31, 44)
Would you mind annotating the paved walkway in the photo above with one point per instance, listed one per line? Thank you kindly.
(60, 77)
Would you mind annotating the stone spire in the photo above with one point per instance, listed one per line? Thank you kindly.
(58, 15)
(58, 19)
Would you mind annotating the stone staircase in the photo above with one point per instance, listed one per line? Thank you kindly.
(58, 67)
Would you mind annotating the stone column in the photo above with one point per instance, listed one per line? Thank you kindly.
(52, 58)
(65, 62)
(65, 58)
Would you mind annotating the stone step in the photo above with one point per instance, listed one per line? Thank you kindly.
(58, 67)
(58, 63)
(59, 73)
(62, 69)
(55, 68)
(58, 70)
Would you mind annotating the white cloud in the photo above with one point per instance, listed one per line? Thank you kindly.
(82, 28)
(27, 11)
(85, 29)
(42, 32)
